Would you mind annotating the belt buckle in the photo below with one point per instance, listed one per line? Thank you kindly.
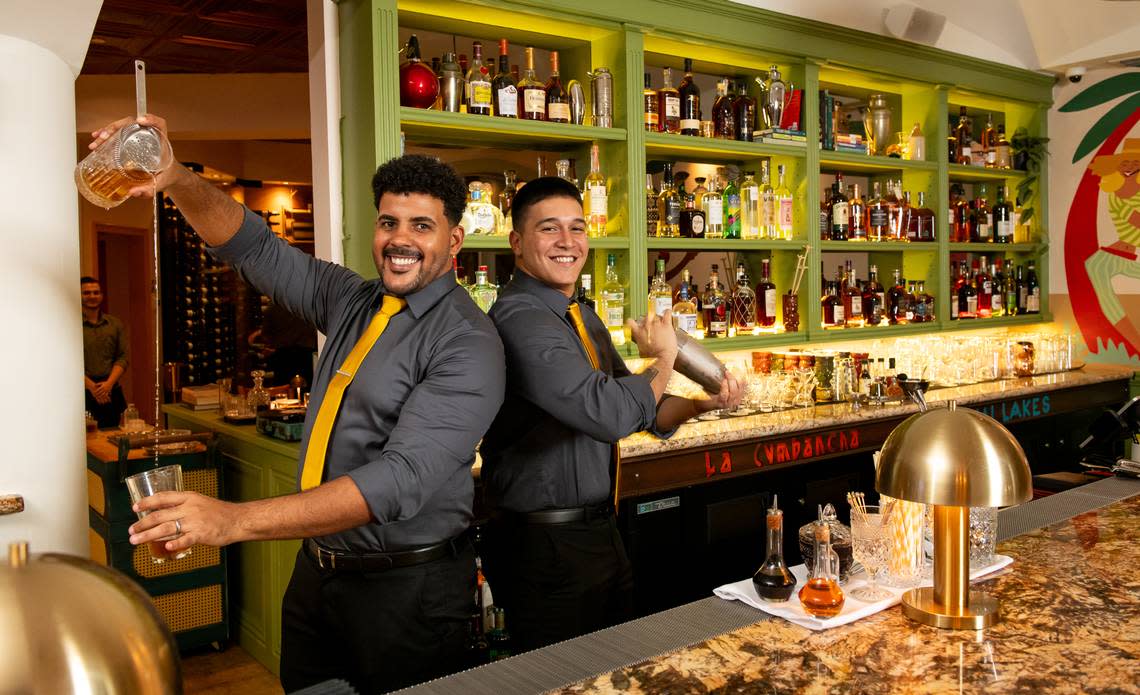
(321, 552)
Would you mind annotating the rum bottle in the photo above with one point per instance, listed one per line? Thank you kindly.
(557, 98)
(533, 92)
(690, 95)
(766, 298)
(773, 582)
(504, 86)
(651, 118)
(821, 596)
(669, 105)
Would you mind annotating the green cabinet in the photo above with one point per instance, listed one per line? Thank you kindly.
(923, 85)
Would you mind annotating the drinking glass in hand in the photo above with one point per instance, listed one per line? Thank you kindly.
(870, 544)
(147, 483)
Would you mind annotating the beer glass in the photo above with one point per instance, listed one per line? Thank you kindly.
(148, 483)
(132, 156)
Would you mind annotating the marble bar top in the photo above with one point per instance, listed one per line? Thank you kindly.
(695, 434)
(1070, 624)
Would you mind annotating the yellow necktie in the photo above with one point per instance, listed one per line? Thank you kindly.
(314, 466)
(592, 354)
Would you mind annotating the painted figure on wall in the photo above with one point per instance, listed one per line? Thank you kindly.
(1091, 263)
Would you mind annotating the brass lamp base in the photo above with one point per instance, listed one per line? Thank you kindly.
(980, 611)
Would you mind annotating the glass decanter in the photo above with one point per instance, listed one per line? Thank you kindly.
(821, 596)
(773, 582)
(258, 396)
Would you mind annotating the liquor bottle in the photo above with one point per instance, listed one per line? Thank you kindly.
(916, 311)
(766, 298)
(651, 119)
(562, 171)
(896, 301)
(669, 105)
(712, 204)
(506, 196)
(613, 302)
(690, 95)
(1022, 291)
(731, 200)
(832, 305)
(715, 306)
(483, 292)
(840, 211)
(967, 297)
(668, 206)
(1002, 150)
(821, 596)
(997, 298)
(773, 582)
(749, 207)
(959, 215)
(1003, 217)
(981, 219)
(480, 217)
(504, 86)
(1032, 290)
(532, 91)
(652, 217)
(916, 143)
(852, 297)
(692, 219)
(878, 216)
(557, 98)
(685, 304)
(984, 284)
(744, 113)
(586, 290)
(989, 142)
(922, 220)
(699, 191)
(908, 223)
(962, 137)
(825, 214)
(895, 211)
(743, 302)
(927, 301)
(784, 206)
(478, 83)
(498, 639)
(874, 298)
(857, 215)
(660, 293)
(477, 645)
(723, 117)
(769, 229)
(1011, 293)
(596, 197)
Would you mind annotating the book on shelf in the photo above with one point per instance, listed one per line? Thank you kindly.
(781, 135)
(201, 397)
(859, 149)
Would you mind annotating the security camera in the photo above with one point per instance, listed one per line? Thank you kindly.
(1075, 73)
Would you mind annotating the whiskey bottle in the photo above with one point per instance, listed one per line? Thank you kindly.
(712, 204)
(690, 96)
(874, 298)
(668, 206)
(773, 582)
(744, 112)
(743, 302)
(1002, 156)
(922, 220)
(557, 98)
(685, 304)
(895, 211)
(505, 86)
(825, 214)
(669, 105)
(989, 143)
(652, 217)
(981, 219)
(613, 302)
(651, 117)
(1003, 217)
(596, 197)
(692, 219)
(533, 92)
(840, 211)
(959, 215)
(927, 302)
(766, 298)
(832, 306)
(715, 306)
(769, 229)
(896, 301)
(749, 207)
(784, 206)
(852, 297)
(857, 215)
(962, 138)
(660, 294)
(478, 83)
(967, 299)
(724, 120)
(878, 216)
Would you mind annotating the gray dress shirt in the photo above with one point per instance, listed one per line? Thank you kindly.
(551, 443)
(409, 422)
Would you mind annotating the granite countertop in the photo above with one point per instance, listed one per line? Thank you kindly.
(703, 434)
(1071, 623)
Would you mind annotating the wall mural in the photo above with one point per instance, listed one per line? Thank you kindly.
(1090, 263)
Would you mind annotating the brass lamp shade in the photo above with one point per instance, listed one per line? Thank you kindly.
(953, 459)
(73, 626)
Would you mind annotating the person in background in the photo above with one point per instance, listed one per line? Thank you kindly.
(104, 356)
(553, 555)
(410, 377)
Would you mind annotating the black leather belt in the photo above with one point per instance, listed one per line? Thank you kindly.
(349, 561)
(565, 516)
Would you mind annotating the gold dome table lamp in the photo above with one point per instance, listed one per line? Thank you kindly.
(953, 459)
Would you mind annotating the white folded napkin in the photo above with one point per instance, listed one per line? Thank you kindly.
(853, 608)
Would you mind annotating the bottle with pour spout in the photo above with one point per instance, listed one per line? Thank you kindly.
(773, 582)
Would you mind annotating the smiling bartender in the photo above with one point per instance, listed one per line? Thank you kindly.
(384, 583)
(553, 553)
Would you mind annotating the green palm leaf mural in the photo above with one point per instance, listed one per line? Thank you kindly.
(1103, 92)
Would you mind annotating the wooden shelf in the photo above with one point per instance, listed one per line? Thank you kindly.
(680, 244)
(851, 161)
(878, 246)
(970, 247)
(962, 172)
(979, 324)
(425, 128)
(691, 148)
(870, 332)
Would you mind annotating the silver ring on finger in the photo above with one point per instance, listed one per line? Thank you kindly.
(178, 525)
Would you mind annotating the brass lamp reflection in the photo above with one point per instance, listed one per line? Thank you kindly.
(953, 459)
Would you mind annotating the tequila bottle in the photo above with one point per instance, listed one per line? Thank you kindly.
(483, 292)
(784, 205)
(596, 198)
(712, 204)
(480, 217)
(749, 207)
(685, 304)
(660, 294)
(743, 302)
(613, 302)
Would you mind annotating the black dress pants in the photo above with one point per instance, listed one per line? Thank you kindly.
(106, 414)
(557, 581)
(379, 631)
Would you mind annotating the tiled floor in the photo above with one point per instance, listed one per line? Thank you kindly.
(231, 672)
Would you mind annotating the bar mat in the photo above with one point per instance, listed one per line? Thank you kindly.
(1014, 521)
